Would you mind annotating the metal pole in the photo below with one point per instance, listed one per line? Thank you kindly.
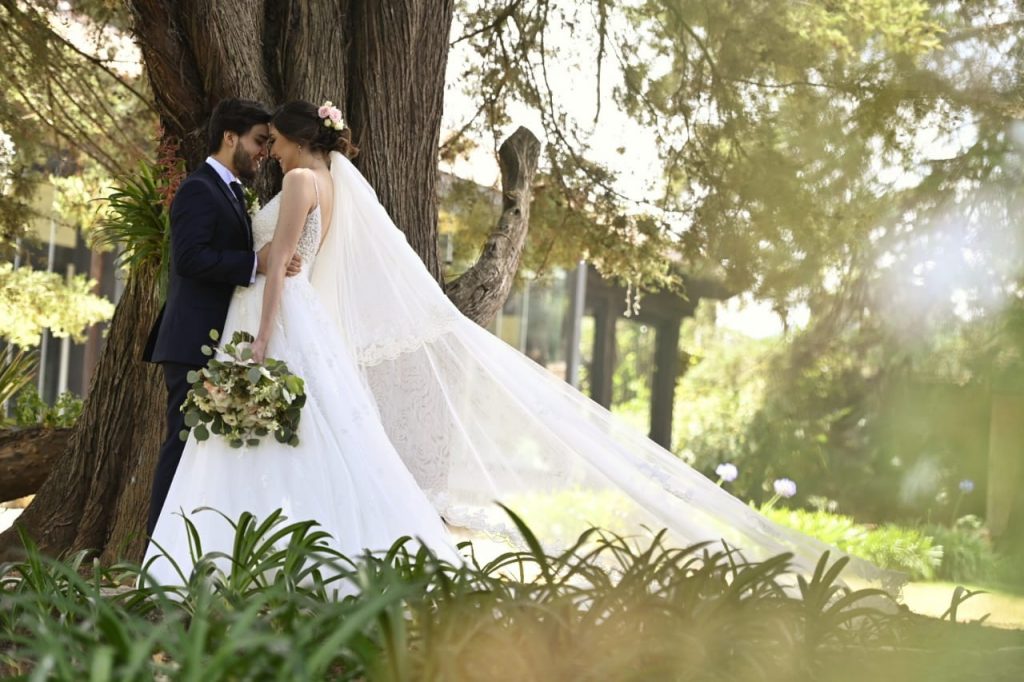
(45, 342)
(10, 346)
(524, 318)
(577, 303)
(65, 348)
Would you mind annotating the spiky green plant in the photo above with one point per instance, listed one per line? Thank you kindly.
(16, 370)
(137, 221)
(284, 605)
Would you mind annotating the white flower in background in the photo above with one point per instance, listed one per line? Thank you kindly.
(727, 472)
(784, 487)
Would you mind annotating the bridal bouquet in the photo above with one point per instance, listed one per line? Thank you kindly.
(243, 401)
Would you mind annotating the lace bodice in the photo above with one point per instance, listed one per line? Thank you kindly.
(264, 223)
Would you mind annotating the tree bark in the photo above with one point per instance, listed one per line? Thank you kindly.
(398, 53)
(94, 337)
(27, 457)
(385, 63)
(480, 292)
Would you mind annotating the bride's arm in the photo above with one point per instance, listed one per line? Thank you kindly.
(298, 196)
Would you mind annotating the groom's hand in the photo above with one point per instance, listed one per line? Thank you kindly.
(294, 266)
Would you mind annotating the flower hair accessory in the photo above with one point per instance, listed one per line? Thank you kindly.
(331, 116)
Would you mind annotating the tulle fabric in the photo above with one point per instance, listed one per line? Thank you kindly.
(476, 422)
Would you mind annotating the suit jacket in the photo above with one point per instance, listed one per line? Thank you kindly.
(211, 254)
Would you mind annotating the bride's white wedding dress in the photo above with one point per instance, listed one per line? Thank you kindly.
(344, 473)
(391, 365)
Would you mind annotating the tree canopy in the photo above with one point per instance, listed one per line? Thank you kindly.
(789, 137)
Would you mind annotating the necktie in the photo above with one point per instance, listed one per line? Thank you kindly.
(236, 188)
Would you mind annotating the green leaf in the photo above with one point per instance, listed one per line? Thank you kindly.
(206, 350)
(183, 435)
(215, 335)
(192, 418)
(201, 432)
(193, 377)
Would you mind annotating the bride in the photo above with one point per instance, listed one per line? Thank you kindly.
(414, 412)
(346, 474)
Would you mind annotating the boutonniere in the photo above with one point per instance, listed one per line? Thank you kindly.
(252, 201)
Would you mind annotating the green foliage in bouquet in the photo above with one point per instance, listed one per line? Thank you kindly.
(243, 401)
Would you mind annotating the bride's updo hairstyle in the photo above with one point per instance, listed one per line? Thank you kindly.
(321, 129)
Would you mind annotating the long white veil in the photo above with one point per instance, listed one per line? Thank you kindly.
(477, 422)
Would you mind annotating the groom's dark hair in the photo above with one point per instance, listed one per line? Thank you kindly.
(236, 115)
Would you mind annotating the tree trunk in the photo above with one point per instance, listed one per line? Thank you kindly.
(385, 62)
(26, 458)
(481, 291)
(94, 336)
(95, 496)
(399, 52)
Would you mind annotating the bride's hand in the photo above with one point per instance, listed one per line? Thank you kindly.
(259, 350)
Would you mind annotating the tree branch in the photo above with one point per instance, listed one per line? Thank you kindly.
(502, 17)
(26, 457)
(481, 291)
(40, 25)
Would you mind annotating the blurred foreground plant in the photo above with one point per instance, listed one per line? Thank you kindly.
(286, 606)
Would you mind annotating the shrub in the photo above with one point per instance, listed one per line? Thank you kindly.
(899, 548)
(967, 555)
(31, 410)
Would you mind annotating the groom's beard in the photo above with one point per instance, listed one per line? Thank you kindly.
(244, 165)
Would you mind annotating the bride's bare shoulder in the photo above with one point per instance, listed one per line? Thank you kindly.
(298, 177)
(299, 183)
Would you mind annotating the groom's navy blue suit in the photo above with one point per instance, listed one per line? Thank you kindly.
(211, 254)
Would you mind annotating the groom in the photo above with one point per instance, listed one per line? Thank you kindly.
(211, 254)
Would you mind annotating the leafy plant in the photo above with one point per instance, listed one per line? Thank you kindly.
(32, 301)
(967, 555)
(31, 410)
(285, 605)
(138, 221)
(909, 550)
